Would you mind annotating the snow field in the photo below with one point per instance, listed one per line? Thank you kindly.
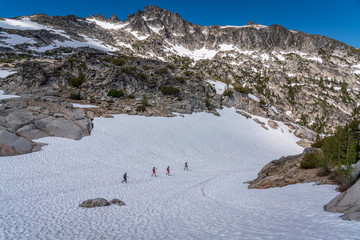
(40, 192)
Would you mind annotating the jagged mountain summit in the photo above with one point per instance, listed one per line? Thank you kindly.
(270, 70)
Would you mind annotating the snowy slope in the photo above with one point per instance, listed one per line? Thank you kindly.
(40, 192)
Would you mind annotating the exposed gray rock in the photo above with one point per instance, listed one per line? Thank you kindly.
(60, 127)
(100, 202)
(96, 202)
(356, 171)
(11, 144)
(285, 171)
(273, 124)
(117, 202)
(244, 114)
(347, 202)
(259, 122)
(37, 117)
(305, 133)
(351, 216)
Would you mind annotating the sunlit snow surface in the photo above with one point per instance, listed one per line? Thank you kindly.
(40, 192)
(84, 106)
(3, 96)
(4, 73)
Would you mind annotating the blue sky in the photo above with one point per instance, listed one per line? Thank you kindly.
(333, 18)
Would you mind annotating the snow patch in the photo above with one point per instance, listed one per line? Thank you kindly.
(3, 96)
(89, 42)
(84, 105)
(14, 39)
(257, 26)
(137, 34)
(253, 97)
(265, 57)
(275, 109)
(21, 24)
(220, 87)
(155, 29)
(107, 25)
(4, 73)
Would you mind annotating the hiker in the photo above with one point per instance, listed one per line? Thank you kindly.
(186, 166)
(154, 172)
(168, 171)
(125, 178)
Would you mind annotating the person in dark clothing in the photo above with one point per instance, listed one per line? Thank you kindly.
(125, 178)
(168, 171)
(154, 172)
(186, 166)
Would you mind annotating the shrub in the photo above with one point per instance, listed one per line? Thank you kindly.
(188, 73)
(180, 79)
(142, 76)
(163, 71)
(75, 95)
(140, 108)
(171, 67)
(228, 93)
(119, 61)
(312, 159)
(115, 93)
(207, 103)
(77, 81)
(169, 90)
(126, 70)
(242, 89)
(131, 96)
(319, 143)
(262, 102)
(144, 100)
(321, 51)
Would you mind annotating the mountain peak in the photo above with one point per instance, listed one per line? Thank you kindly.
(114, 19)
(153, 8)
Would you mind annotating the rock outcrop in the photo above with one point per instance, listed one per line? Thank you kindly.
(347, 203)
(100, 202)
(286, 171)
(96, 202)
(28, 118)
(12, 144)
(307, 78)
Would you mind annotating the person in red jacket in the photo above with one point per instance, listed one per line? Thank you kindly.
(168, 171)
(154, 172)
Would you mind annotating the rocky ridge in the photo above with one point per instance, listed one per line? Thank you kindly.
(286, 171)
(313, 80)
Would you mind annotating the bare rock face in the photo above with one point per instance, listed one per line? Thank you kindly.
(305, 133)
(28, 118)
(273, 124)
(286, 171)
(12, 144)
(61, 127)
(347, 202)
